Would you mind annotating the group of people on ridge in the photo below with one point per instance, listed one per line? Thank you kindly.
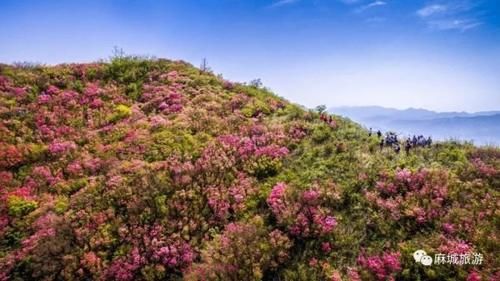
(391, 140)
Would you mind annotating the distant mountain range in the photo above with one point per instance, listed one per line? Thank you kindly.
(479, 127)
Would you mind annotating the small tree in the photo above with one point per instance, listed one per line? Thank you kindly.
(204, 65)
(257, 83)
(321, 108)
(118, 53)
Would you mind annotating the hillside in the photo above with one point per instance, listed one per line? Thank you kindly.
(154, 170)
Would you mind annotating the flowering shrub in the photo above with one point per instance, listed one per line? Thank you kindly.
(474, 276)
(172, 103)
(242, 251)
(484, 169)
(225, 200)
(5, 178)
(276, 199)
(165, 99)
(59, 148)
(10, 156)
(382, 266)
(124, 268)
(419, 195)
(454, 247)
(305, 218)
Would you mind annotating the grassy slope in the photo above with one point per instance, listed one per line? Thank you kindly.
(144, 164)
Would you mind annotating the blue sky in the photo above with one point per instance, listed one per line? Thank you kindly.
(435, 54)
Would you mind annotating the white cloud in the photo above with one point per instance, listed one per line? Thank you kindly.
(450, 15)
(454, 24)
(376, 3)
(371, 5)
(431, 10)
(282, 3)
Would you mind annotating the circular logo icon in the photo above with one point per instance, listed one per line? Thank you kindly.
(422, 257)
(419, 254)
(426, 260)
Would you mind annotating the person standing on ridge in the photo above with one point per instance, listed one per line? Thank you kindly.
(408, 146)
(397, 148)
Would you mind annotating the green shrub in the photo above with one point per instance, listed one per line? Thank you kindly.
(167, 142)
(71, 186)
(293, 112)
(121, 111)
(321, 133)
(128, 69)
(133, 91)
(36, 152)
(19, 207)
(61, 205)
(256, 107)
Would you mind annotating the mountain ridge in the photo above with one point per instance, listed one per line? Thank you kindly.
(380, 111)
(479, 127)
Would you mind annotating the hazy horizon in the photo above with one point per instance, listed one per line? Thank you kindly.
(409, 108)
